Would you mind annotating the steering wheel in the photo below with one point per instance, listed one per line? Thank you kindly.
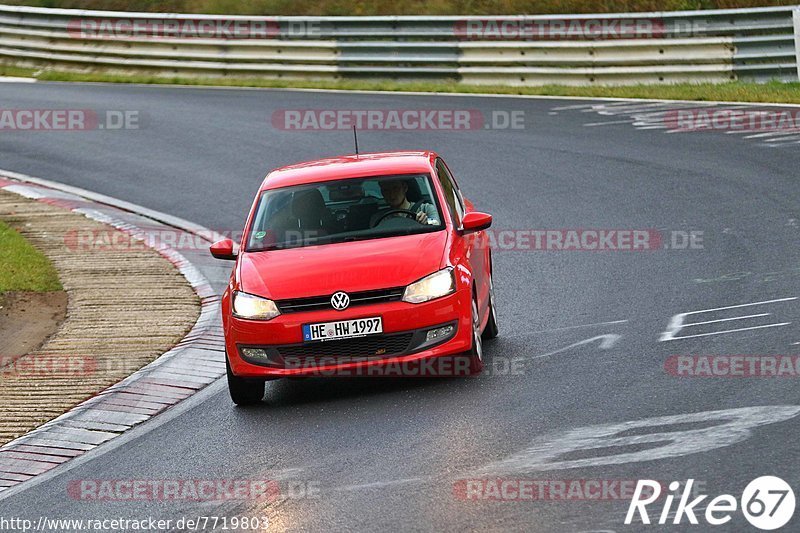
(406, 212)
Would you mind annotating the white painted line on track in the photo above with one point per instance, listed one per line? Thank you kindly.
(597, 324)
(607, 341)
(726, 319)
(770, 134)
(727, 331)
(593, 124)
(676, 322)
(781, 144)
(572, 107)
(633, 109)
(792, 136)
(551, 451)
(382, 484)
(656, 116)
(742, 305)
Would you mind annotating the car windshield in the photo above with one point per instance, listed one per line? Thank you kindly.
(344, 210)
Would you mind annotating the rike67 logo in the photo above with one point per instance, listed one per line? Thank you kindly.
(767, 503)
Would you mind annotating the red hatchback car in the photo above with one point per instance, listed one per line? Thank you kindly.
(363, 265)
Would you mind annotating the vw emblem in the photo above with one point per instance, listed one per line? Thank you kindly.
(340, 301)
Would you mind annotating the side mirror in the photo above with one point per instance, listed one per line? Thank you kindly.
(476, 221)
(224, 249)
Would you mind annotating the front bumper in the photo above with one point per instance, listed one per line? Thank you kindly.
(282, 352)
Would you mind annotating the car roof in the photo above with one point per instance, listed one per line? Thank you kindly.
(350, 166)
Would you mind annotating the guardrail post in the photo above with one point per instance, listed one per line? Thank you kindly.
(796, 18)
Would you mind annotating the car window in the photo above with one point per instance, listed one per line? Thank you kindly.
(344, 210)
(372, 188)
(459, 196)
(451, 194)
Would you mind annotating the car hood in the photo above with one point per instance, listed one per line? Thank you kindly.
(348, 266)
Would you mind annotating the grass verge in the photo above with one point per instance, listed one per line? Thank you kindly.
(23, 267)
(8, 70)
(773, 92)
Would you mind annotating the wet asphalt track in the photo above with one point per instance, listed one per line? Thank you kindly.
(385, 454)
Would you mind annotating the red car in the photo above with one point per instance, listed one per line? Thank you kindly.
(363, 265)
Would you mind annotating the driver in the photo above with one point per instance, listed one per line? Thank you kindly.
(394, 192)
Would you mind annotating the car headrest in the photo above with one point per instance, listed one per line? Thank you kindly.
(414, 194)
(308, 205)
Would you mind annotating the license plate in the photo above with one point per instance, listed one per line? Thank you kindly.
(343, 329)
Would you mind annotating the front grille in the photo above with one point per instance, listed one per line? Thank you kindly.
(372, 346)
(321, 303)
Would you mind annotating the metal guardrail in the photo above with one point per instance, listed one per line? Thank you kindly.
(665, 47)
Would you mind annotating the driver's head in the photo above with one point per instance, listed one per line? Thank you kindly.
(394, 192)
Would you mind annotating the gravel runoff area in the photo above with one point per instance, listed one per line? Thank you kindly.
(126, 307)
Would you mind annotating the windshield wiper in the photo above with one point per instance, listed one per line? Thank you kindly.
(332, 239)
(280, 246)
(354, 238)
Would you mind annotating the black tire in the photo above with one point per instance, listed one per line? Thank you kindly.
(244, 391)
(475, 353)
(491, 330)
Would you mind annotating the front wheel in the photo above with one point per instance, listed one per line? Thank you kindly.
(475, 353)
(491, 330)
(244, 391)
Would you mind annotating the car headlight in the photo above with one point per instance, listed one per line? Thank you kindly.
(431, 287)
(253, 307)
